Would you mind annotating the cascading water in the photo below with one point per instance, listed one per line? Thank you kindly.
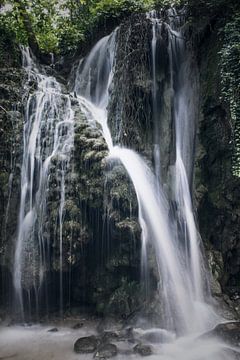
(156, 27)
(183, 82)
(182, 275)
(48, 133)
(165, 216)
(179, 265)
(184, 115)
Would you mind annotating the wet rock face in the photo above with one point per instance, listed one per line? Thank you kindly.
(136, 120)
(11, 141)
(130, 105)
(215, 262)
(229, 332)
(217, 190)
(108, 206)
(100, 232)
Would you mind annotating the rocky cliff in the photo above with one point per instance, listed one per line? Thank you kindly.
(217, 187)
(101, 234)
(11, 140)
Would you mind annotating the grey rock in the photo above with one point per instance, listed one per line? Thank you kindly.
(86, 345)
(53, 330)
(106, 351)
(78, 326)
(230, 332)
(118, 335)
(142, 349)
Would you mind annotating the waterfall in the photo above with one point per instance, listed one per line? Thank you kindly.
(185, 118)
(156, 28)
(175, 239)
(162, 178)
(48, 134)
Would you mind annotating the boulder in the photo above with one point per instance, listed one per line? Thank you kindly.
(118, 335)
(230, 332)
(106, 351)
(143, 350)
(86, 345)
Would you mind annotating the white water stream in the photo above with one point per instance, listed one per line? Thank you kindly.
(180, 272)
(183, 278)
(48, 132)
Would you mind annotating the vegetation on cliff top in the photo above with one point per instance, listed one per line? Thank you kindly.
(59, 26)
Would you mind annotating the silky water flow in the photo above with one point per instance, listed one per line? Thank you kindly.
(188, 310)
(48, 133)
(187, 306)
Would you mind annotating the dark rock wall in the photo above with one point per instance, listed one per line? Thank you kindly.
(130, 107)
(11, 140)
(217, 190)
(101, 235)
(109, 212)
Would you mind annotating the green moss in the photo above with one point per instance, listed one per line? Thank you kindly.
(4, 177)
(125, 299)
(117, 261)
(230, 80)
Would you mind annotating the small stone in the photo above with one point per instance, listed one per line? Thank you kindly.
(143, 350)
(106, 351)
(78, 326)
(53, 330)
(86, 344)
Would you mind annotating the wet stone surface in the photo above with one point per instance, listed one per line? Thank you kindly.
(86, 345)
(143, 350)
(106, 351)
(230, 332)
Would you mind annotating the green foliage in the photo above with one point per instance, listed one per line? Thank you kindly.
(168, 3)
(59, 28)
(13, 26)
(69, 36)
(125, 299)
(230, 80)
(9, 53)
(44, 22)
(42, 19)
(118, 8)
